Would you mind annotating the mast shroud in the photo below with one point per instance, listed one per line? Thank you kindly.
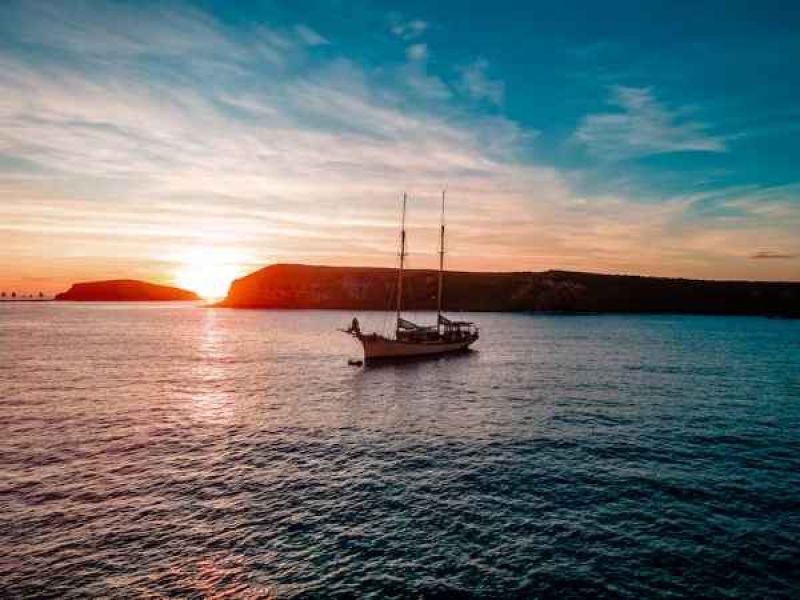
(441, 267)
(402, 261)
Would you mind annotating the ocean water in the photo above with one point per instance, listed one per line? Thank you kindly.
(160, 451)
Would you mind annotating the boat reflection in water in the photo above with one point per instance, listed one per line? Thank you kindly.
(411, 340)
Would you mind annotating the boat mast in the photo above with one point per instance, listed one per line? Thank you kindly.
(402, 260)
(441, 266)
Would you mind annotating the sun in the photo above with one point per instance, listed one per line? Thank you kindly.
(207, 271)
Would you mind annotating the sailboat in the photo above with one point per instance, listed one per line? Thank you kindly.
(411, 340)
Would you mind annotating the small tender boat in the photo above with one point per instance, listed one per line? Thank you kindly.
(411, 340)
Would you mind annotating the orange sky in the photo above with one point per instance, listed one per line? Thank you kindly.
(50, 243)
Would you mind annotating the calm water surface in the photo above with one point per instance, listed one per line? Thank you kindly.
(174, 451)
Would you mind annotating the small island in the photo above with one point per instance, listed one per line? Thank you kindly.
(125, 290)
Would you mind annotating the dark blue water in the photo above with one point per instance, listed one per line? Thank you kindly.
(174, 451)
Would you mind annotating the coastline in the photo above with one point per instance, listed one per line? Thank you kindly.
(287, 286)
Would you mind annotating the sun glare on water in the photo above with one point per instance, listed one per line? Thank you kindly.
(207, 271)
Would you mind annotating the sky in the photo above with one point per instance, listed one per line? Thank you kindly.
(192, 142)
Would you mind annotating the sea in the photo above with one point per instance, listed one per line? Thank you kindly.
(176, 451)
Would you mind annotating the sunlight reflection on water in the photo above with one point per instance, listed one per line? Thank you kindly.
(217, 578)
(212, 371)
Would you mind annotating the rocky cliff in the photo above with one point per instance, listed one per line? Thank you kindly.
(304, 286)
(124, 290)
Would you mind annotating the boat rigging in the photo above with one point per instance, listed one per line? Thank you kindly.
(410, 339)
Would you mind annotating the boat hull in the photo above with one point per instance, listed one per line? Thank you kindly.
(377, 348)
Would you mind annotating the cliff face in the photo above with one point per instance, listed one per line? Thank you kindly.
(303, 286)
(124, 290)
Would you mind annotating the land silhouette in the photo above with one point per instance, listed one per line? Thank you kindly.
(125, 290)
(320, 287)
(296, 286)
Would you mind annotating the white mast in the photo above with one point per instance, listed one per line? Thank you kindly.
(441, 266)
(402, 260)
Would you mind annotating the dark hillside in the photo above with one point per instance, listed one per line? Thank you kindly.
(305, 286)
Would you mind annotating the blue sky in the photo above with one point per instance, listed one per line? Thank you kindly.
(641, 137)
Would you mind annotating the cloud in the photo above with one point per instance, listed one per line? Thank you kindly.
(126, 158)
(642, 127)
(476, 82)
(416, 77)
(104, 29)
(309, 36)
(417, 52)
(766, 254)
(128, 142)
(425, 85)
(409, 30)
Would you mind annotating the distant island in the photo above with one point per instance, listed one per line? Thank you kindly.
(356, 288)
(124, 290)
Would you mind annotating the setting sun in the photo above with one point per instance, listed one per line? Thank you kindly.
(208, 271)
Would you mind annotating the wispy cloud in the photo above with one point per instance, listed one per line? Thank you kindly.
(643, 126)
(127, 141)
(416, 76)
(425, 85)
(408, 29)
(125, 157)
(477, 83)
(309, 36)
(766, 254)
(108, 30)
(417, 52)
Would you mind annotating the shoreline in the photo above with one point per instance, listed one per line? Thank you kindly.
(549, 313)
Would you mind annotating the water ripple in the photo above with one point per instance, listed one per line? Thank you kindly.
(170, 451)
